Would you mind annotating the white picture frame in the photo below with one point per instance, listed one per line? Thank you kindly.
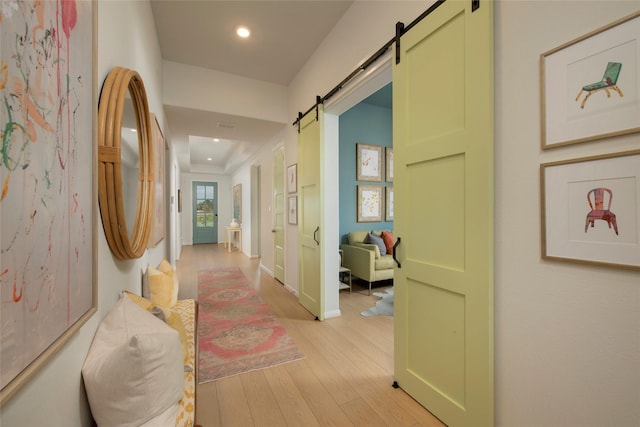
(292, 178)
(368, 162)
(292, 217)
(369, 203)
(388, 203)
(576, 227)
(575, 72)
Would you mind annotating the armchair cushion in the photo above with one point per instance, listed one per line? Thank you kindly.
(384, 263)
(357, 237)
(370, 247)
(376, 240)
(387, 237)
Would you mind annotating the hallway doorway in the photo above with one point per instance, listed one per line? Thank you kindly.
(205, 212)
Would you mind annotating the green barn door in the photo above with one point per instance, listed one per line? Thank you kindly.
(205, 212)
(309, 142)
(443, 147)
(278, 214)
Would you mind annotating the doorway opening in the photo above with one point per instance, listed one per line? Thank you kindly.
(376, 77)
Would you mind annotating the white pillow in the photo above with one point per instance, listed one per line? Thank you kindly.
(134, 369)
(167, 418)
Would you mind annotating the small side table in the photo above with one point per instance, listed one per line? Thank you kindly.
(233, 233)
(342, 284)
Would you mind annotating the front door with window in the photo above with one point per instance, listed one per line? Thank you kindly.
(205, 212)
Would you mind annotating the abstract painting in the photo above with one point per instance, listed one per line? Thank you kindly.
(47, 203)
(368, 162)
(369, 203)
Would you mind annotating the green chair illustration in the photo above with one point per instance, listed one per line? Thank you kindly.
(608, 82)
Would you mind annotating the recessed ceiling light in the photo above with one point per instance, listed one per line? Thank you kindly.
(243, 32)
(216, 140)
(209, 158)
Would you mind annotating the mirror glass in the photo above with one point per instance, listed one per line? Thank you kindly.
(130, 163)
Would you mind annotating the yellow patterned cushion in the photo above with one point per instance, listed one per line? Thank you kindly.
(165, 267)
(186, 309)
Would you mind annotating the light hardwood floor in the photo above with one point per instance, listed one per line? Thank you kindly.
(345, 378)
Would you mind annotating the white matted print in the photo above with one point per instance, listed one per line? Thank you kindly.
(389, 164)
(389, 204)
(292, 178)
(369, 203)
(293, 210)
(369, 162)
(590, 87)
(591, 210)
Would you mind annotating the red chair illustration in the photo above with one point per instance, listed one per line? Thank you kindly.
(608, 82)
(597, 209)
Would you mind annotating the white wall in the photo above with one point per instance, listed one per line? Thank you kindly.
(55, 396)
(209, 90)
(264, 159)
(567, 336)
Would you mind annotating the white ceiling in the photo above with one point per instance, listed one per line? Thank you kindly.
(202, 33)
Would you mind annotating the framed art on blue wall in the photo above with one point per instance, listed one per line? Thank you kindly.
(368, 162)
(369, 203)
(388, 204)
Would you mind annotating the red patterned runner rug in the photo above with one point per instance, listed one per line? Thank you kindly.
(237, 332)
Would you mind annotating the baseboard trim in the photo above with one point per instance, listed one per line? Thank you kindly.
(333, 313)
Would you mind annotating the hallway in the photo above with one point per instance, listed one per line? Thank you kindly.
(344, 380)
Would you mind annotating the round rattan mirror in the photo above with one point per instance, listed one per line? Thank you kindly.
(123, 91)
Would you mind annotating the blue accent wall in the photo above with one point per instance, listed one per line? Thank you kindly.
(367, 124)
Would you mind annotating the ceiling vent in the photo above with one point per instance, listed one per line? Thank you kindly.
(223, 125)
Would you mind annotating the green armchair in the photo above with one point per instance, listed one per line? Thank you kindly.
(364, 259)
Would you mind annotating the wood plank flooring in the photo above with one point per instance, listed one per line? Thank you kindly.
(345, 378)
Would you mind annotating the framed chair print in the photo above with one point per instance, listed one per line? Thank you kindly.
(589, 86)
(590, 210)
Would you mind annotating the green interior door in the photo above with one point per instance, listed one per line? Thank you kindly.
(309, 141)
(278, 214)
(205, 212)
(443, 148)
